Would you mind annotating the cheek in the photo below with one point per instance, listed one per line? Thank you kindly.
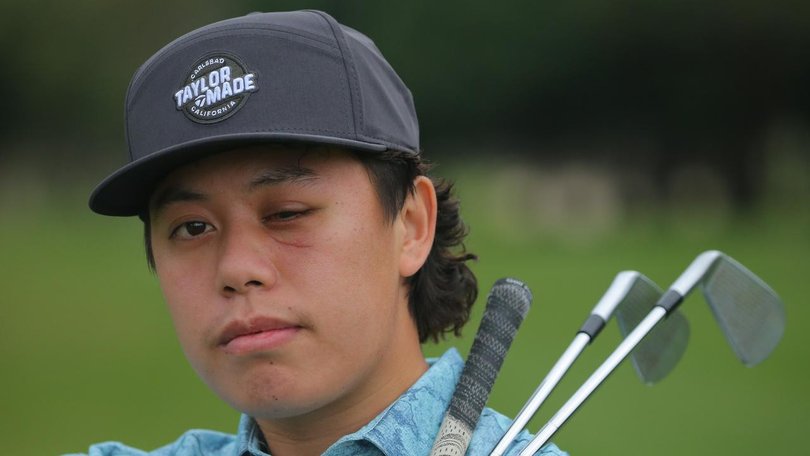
(185, 296)
(352, 257)
(179, 289)
(355, 273)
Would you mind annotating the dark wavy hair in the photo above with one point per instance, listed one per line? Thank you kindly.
(442, 292)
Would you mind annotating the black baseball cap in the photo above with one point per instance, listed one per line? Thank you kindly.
(266, 77)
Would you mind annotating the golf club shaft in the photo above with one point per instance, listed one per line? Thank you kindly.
(596, 379)
(541, 393)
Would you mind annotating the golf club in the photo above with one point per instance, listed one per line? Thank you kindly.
(630, 296)
(507, 305)
(750, 314)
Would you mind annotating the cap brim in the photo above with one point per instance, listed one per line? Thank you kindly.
(126, 192)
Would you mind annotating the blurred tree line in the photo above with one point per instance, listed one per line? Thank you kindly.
(646, 85)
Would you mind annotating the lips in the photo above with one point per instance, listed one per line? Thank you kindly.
(256, 335)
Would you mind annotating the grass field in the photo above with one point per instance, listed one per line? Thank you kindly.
(89, 353)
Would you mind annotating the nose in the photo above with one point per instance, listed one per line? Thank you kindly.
(245, 262)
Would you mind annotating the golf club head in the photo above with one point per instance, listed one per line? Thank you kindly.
(657, 354)
(748, 311)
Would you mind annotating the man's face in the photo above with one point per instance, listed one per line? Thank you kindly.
(283, 279)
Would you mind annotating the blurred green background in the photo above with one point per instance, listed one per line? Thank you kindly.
(585, 138)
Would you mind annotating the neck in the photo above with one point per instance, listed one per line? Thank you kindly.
(312, 433)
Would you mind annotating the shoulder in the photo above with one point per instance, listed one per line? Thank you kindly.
(193, 442)
(491, 426)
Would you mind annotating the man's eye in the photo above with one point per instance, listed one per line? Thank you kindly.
(191, 229)
(285, 216)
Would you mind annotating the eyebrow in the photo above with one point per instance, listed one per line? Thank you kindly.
(268, 177)
(175, 195)
(287, 174)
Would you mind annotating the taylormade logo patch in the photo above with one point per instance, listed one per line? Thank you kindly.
(216, 88)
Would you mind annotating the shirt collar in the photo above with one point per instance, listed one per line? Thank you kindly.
(410, 422)
(249, 441)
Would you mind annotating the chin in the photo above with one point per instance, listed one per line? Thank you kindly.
(272, 409)
(267, 395)
(274, 405)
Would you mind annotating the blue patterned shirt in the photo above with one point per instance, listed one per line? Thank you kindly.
(406, 427)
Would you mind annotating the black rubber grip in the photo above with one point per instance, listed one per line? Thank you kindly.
(507, 305)
(670, 301)
(593, 326)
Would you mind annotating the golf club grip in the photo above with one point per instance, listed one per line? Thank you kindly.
(507, 305)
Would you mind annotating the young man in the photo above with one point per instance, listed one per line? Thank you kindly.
(303, 253)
